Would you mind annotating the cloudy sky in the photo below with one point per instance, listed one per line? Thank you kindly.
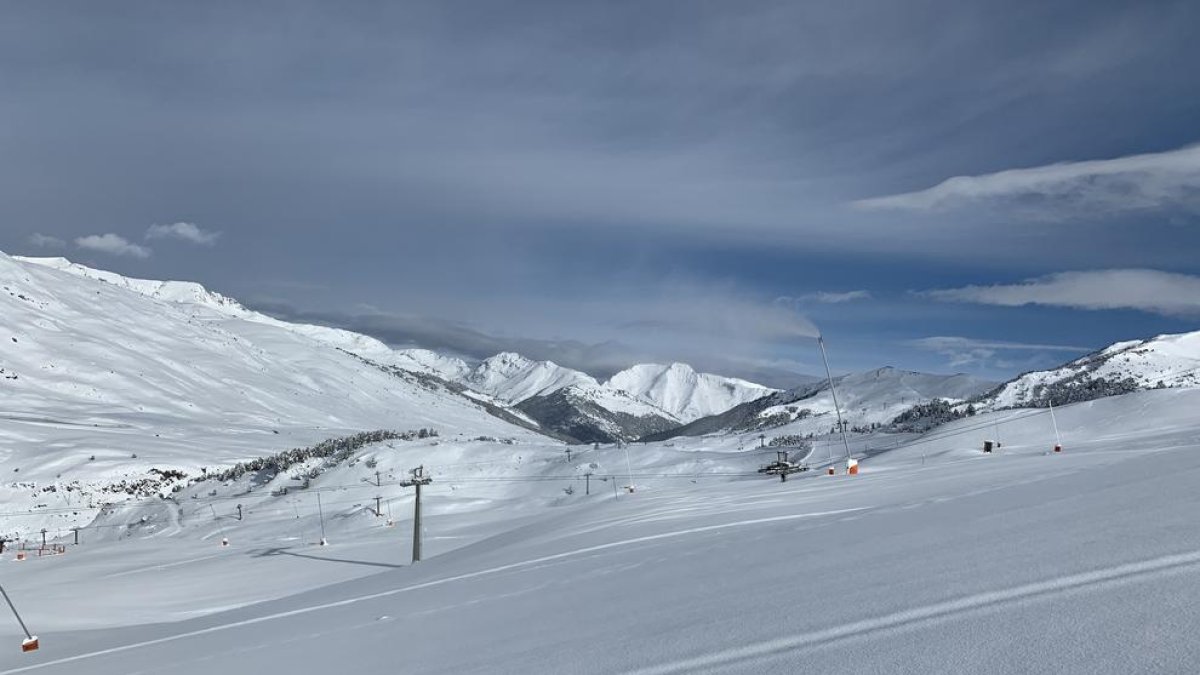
(985, 187)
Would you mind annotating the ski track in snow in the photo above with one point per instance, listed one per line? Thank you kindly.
(430, 584)
(915, 617)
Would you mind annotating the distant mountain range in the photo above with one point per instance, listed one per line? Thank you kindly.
(1158, 362)
(869, 399)
(95, 342)
(561, 401)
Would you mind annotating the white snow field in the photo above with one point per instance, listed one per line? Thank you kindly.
(936, 558)
(101, 383)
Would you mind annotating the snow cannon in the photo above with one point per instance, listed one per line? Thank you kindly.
(852, 467)
(29, 644)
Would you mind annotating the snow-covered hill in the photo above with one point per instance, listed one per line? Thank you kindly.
(635, 401)
(567, 401)
(193, 299)
(683, 392)
(102, 381)
(512, 378)
(868, 399)
(935, 559)
(643, 399)
(1166, 361)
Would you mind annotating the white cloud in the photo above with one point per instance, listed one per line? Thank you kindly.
(834, 297)
(113, 244)
(1154, 291)
(712, 310)
(45, 241)
(1155, 181)
(188, 232)
(964, 351)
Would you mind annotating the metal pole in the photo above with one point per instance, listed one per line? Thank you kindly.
(1054, 421)
(628, 468)
(220, 527)
(416, 556)
(299, 524)
(321, 514)
(837, 408)
(14, 611)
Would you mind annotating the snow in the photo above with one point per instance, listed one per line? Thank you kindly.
(675, 392)
(936, 558)
(513, 378)
(872, 397)
(684, 393)
(1165, 360)
(93, 373)
(426, 361)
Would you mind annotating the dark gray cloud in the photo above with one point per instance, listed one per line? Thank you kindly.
(599, 359)
(541, 170)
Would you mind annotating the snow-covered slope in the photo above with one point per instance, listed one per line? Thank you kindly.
(935, 559)
(641, 399)
(1163, 361)
(512, 378)
(868, 399)
(430, 362)
(567, 401)
(100, 382)
(192, 298)
(683, 392)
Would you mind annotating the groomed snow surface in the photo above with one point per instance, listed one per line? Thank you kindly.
(935, 559)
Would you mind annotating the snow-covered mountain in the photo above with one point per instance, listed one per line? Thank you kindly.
(512, 378)
(643, 399)
(1165, 361)
(566, 401)
(102, 380)
(867, 399)
(194, 299)
(683, 392)
(658, 397)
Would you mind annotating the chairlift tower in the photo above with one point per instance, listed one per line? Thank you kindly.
(418, 478)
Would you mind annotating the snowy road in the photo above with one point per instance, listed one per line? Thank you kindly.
(1081, 563)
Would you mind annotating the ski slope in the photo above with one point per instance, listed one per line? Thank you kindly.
(102, 382)
(935, 559)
